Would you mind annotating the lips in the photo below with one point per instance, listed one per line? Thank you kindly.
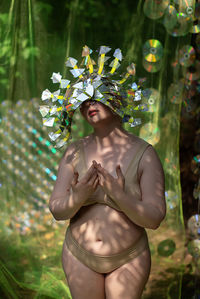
(92, 112)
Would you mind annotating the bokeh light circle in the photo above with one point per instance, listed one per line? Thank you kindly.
(175, 92)
(152, 50)
(155, 9)
(187, 55)
(166, 247)
(193, 225)
(182, 26)
(194, 248)
(151, 133)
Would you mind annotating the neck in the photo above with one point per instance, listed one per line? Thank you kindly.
(109, 135)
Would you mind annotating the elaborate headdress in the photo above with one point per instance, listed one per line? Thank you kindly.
(91, 84)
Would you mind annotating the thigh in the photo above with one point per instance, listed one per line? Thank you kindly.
(83, 282)
(128, 281)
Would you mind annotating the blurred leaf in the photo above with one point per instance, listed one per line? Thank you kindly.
(12, 60)
(5, 50)
(24, 43)
(4, 17)
(32, 51)
(17, 74)
(40, 6)
(4, 81)
(2, 70)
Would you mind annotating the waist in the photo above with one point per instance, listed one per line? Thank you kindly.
(104, 230)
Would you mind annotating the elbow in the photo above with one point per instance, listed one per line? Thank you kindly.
(158, 221)
(154, 226)
(57, 216)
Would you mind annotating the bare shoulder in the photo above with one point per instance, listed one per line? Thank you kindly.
(71, 151)
(150, 161)
(137, 141)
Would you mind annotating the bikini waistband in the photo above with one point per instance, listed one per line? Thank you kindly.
(105, 263)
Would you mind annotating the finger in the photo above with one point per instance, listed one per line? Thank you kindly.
(101, 179)
(119, 172)
(101, 170)
(94, 163)
(120, 176)
(92, 179)
(75, 178)
(96, 182)
(89, 173)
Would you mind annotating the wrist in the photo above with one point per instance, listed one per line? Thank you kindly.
(117, 193)
(79, 197)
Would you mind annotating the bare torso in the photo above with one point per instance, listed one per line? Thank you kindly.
(99, 228)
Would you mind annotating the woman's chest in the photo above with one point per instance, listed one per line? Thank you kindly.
(110, 159)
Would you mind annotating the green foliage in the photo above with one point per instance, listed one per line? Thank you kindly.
(5, 49)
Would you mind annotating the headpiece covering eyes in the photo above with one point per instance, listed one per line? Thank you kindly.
(92, 82)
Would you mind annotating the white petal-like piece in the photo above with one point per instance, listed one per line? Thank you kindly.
(88, 81)
(44, 110)
(53, 136)
(75, 93)
(78, 85)
(104, 50)
(89, 90)
(97, 83)
(136, 122)
(77, 72)
(48, 122)
(55, 94)
(82, 97)
(112, 63)
(60, 143)
(134, 86)
(71, 62)
(46, 94)
(98, 94)
(118, 54)
(53, 110)
(64, 83)
(56, 77)
(74, 102)
(105, 59)
(137, 95)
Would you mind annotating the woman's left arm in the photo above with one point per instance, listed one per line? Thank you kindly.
(149, 210)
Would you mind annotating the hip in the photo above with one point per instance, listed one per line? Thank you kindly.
(106, 263)
(104, 230)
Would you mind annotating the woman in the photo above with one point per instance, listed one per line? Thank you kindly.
(110, 185)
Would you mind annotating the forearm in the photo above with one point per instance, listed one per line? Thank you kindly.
(141, 213)
(65, 207)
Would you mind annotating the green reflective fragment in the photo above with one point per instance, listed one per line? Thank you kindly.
(47, 143)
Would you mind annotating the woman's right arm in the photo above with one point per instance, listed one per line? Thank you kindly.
(69, 194)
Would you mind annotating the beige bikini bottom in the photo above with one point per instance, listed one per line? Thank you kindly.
(105, 263)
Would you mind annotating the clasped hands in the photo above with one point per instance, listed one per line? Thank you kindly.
(97, 175)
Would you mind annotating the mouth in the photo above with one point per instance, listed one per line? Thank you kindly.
(92, 112)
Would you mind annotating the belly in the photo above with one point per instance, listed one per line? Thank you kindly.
(103, 230)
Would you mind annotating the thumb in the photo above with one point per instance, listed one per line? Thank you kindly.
(75, 179)
(120, 175)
